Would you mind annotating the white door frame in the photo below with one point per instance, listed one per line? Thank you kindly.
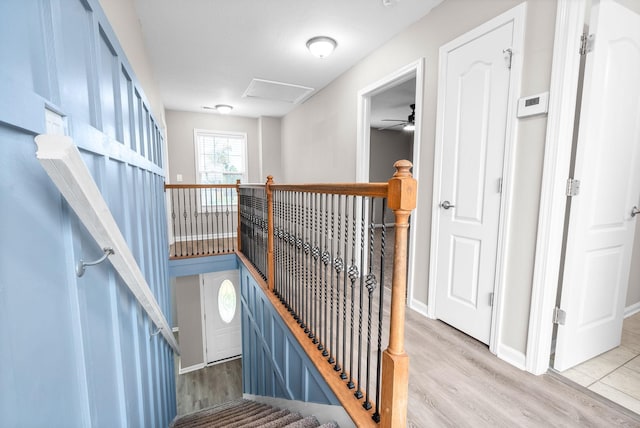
(518, 16)
(363, 146)
(570, 20)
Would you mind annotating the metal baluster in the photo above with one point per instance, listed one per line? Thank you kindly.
(207, 202)
(276, 247)
(314, 271)
(288, 247)
(383, 231)
(326, 258)
(371, 284)
(305, 264)
(358, 393)
(298, 256)
(173, 219)
(343, 375)
(187, 216)
(193, 219)
(214, 225)
(338, 266)
(318, 327)
(353, 275)
(331, 359)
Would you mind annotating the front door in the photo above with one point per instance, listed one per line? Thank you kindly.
(607, 163)
(221, 316)
(473, 99)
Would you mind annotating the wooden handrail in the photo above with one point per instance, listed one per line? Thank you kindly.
(354, 189)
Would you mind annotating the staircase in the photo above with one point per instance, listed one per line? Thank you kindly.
(247, 414)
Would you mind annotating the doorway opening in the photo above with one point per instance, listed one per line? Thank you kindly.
(385, 108)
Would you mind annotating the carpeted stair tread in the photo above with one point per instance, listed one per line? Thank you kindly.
(256, 418)
(247, 414)
(308, 422)
(288, 419)
(214, 420)
(243, 418)
(218, 416)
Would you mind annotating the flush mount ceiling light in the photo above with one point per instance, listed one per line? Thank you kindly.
(321, 46)
(223, 108)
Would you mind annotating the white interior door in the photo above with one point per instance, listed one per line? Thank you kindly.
(471, 136)
(601, 226)
(221, 294)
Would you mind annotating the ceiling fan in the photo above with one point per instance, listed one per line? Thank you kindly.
(409, 124)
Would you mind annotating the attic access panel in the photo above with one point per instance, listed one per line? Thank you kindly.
(277, 91)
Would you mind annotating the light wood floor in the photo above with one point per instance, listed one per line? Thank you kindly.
(207, 387)
(456, 382)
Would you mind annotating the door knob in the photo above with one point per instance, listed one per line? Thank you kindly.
(634, 211)
(446, 205)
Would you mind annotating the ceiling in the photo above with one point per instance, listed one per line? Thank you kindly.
(395, 104)
(207, 52)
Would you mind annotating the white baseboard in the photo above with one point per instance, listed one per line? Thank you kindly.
(419, 307)
(186, 238)
(632, 310)
(512, 356)
(193, 368)
(323, 412)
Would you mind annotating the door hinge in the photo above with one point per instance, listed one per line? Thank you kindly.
(500, 185)
(508, 56)
(491, 299)
(573, 187)
(586, 43)
(559, 316)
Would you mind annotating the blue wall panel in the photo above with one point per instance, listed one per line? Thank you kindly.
(273, 362)
(38, 341)
(77, 352)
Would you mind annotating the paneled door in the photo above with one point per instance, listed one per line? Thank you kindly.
(473, 104)
(601, 220)
(223, 336)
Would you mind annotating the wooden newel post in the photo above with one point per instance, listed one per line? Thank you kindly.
(270, 266)
(239, 227)
(395, 362)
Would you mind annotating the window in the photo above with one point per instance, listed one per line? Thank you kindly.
(220, 159)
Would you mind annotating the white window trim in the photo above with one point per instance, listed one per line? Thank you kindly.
(199, 131)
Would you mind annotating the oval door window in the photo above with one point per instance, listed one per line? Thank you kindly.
(227, 301)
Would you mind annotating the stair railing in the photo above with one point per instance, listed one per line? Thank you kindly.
(203, 219)
(322, 252)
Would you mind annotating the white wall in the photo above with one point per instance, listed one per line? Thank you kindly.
(181, 150)
(387, 147)
(321, 134)
(270, 148)
(189, 320)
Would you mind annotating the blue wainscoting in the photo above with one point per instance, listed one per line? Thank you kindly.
(77, 352)
(273, 362)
